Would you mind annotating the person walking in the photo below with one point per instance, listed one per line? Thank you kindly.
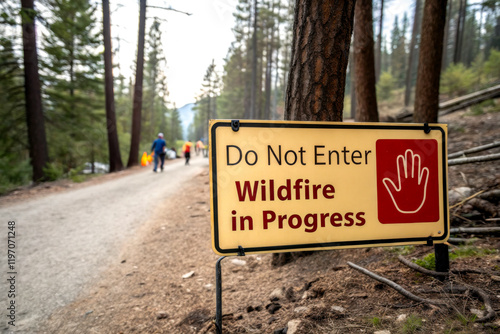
(186, 149)
(159, 148)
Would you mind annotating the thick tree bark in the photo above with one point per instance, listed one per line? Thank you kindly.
(133, 158)
(115, 160)
(366, 95)
(34, 114)
(411, 57)
(320, 49)
(429, 67)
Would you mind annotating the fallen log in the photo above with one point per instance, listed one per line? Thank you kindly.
(474, 150)
(458, 103)
(468, 100)
(482, 158)
(477, 230)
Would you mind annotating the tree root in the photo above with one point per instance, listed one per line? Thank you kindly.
(397, 287)
(490, 312)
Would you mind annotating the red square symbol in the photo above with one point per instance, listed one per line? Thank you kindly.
(407, 181)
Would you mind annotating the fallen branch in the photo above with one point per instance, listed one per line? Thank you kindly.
(479, 230)
(490, 313)
(474, 150)
(460, 240)
(397, 287)
(482, 158)
(467, 199)
(423, 270)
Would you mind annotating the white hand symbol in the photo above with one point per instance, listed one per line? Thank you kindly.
(409, 195)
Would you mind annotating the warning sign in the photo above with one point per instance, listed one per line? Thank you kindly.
(286, 186)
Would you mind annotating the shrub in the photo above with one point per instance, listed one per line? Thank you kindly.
(385, 86)
(457, 80)
(492, 65)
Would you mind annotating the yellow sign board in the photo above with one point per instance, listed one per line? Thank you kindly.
(281, 186)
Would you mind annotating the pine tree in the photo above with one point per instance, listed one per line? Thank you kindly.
(429, 67)
(14, 147)
(366, 97)
(74, 84)
(133, 158)
(115, 160)
(33, 96)
(319, 61)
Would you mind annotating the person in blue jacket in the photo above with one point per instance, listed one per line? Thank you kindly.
(158, 147)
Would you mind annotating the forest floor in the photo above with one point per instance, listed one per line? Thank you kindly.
(164, 279)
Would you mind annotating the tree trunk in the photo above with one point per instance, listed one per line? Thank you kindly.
(431, 49)
(366, 96)
(34, 114)
(253, 88)
(459, 32)
(115, 160)
(133, 158)
(378, 56)
(320, 49)
(411, 57)
(444, 63)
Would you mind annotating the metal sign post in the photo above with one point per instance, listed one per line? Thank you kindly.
(218, 295)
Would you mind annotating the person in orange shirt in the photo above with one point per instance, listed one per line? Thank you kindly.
(186, 149)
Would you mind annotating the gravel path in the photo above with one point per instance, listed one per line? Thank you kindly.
(64, 240)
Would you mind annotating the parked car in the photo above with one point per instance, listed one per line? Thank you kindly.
(99, 167)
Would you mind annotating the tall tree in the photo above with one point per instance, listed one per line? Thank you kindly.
(366, 95)
(253, 88)
(459, 31)
(34, 114)
(73, 83)
(320, 49)
(413, 50)
(115, 160)
(429, 67)
(133, 158)
(378, 47)
(446, 35)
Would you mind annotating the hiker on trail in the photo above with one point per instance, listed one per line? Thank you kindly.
(186, 149)
(159, 147)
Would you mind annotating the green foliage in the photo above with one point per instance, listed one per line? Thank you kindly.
(466, 320)
(492, 65)
(428, 262)
(14, 172)
(75, 174)
(457, 80)
(53, 171)
(14, 156)
(403, 250)
(73, 85)
(385, 86)
(376, 322)
(471, 251)
(412, 324)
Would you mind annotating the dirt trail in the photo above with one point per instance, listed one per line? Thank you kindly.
(65, 240)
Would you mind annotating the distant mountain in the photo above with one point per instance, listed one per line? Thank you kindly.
(186, 113)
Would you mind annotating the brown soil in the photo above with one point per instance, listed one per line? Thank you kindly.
(145, 292)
